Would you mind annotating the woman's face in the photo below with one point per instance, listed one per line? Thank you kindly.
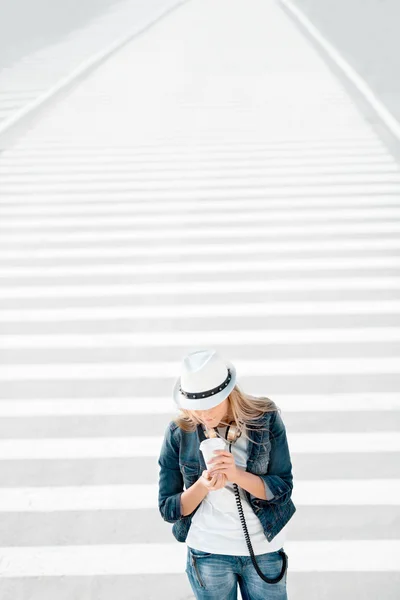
(213, 416)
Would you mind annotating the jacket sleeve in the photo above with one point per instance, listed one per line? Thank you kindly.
(170, 486)
(278, 481)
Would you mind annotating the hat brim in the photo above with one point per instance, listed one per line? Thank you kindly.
(204, 403)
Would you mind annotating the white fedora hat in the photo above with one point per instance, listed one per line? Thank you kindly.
(206, 380)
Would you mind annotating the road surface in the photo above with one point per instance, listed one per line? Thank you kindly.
(223, 192)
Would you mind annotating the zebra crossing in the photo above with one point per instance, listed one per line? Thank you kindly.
(226, 212)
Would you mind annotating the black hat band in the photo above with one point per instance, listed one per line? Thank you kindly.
(208, 392)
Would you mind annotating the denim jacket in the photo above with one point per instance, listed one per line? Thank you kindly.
(181, 462)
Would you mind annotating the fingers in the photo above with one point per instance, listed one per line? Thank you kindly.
(214, 482)
(210, 480)
(218, 481)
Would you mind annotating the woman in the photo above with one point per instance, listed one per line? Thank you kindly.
(206, 514)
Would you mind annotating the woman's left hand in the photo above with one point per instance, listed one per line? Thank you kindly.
(224, 463)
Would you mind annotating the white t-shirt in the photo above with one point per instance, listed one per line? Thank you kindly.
(216, 525)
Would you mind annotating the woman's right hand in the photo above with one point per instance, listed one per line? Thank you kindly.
(216, 482)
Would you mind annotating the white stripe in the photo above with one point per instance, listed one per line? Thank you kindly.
(198, 178)
(54, 371)
(360, 83)
(150, 446)
(155, 370)
(161, 339)
(188, 159)
(165, 406)
(299, 194)
(269, 217)
(200, 310)
(346, 492)
(366, 245)
(111, 269)
(17, 205)
(302, 230)
(195, 194)
(70, 498)
(61, 165)
(149, 406)
(198, 154)
(200, 287)
(336, 492)
(383, 184)
(57, 169)
(364, 143)
(366, 556)
(361, 137)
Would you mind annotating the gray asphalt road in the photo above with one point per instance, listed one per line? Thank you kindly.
(366, 32)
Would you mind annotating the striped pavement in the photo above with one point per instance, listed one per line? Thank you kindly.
(225, 195)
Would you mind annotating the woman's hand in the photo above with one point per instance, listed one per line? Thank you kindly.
(213, 483)
(224, 463)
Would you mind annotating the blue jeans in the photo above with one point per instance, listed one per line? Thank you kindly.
(216, 576)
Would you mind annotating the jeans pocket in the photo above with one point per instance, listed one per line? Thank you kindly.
(198, 555)
(197, 572)
(272, 564)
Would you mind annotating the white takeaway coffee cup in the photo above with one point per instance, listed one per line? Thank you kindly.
(209, 446)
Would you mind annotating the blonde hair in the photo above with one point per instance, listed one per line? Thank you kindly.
(245, 409)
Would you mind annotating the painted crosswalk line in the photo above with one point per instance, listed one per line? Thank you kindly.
(305, 557)
(140, 446)
(334, 492)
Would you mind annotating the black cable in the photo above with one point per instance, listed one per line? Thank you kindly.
(247, 537)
